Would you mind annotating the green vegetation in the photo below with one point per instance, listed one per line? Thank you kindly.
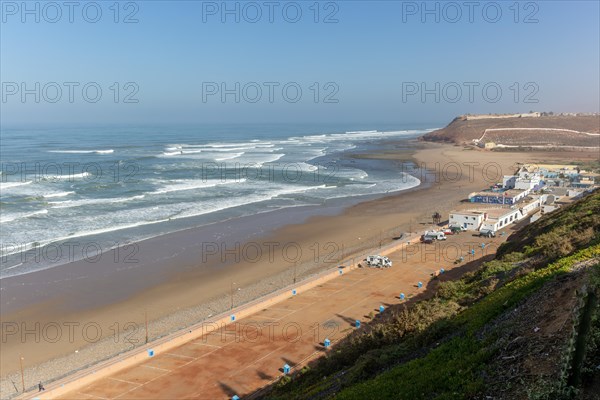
(446, 347)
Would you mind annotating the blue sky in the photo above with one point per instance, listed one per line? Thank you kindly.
(368, 61)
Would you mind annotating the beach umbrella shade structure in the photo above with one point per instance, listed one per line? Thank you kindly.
(437, 217)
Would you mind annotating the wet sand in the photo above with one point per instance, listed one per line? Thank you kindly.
(101, 299)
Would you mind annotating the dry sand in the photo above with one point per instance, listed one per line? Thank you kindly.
(193, 295)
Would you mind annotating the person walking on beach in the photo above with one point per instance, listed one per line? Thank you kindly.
(41, 387)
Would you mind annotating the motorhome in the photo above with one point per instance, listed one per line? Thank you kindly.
(378, 261)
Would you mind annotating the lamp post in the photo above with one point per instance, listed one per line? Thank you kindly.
(146, 322)
(295, 268)
(231, 293)
(22, 374)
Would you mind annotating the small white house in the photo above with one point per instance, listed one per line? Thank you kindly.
(470, 220)
(508, 181)
(527, 179)
(530, 206)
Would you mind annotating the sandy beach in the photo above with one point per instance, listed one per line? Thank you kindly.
(62, 319)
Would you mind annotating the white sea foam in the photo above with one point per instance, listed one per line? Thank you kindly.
(59, 194)
(16, 216)
(229, 157)
(87, 202)
(6, 185)
(184, 185)
(109, 151)
(8, 250)
(68, 176)
(82, 151)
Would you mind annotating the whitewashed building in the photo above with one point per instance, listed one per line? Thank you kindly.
(470, 220)
(508, 182)
(500, 218)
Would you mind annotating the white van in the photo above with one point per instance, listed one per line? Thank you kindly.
(378, 261)
(372, 260)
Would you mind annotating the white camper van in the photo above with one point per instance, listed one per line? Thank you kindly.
(378, 261)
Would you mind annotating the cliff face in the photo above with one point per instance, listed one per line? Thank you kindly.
(515, 131)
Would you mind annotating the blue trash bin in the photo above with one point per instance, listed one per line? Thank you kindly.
(233, 317)
(357, 323)
(402, 296)
(381, 308)
(286, 369)
(420, 284)
(327, 343)
(150, 353)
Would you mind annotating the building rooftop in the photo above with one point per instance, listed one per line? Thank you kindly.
(508, 193)
(467, 212)
(497, 213)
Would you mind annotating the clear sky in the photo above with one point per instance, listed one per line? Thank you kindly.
(370, 60)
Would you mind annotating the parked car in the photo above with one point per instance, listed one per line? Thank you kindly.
(433, 235)
(457, 229)
(438, 235)
(488, 233)
(427, 239)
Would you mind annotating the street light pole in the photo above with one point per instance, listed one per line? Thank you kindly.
(22, 375)
(146, 321)
(232, 283)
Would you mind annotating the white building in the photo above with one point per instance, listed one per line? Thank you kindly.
(500, 218)
(508, 182)
(527, 179)
(548, 208)
(470, 220)
(532, 205)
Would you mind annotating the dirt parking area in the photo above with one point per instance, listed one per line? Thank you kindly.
(242, 357)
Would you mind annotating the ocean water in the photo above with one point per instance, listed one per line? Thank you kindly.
(67, 193)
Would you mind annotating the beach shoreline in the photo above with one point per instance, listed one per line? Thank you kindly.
(189, 296)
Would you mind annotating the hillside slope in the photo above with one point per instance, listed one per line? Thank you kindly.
(521, 132)
(526, 325)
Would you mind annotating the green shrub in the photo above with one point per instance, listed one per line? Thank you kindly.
(452, 290)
